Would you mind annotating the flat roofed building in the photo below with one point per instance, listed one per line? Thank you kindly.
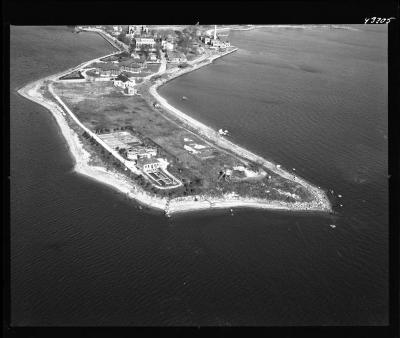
(130, 90)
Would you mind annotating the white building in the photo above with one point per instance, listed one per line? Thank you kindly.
(144, 42)
(153, 58)
(130, 90)
(148, 165)
(219, 44)
(123, 82)
(169, 46)
(140, 152)
(134, 30)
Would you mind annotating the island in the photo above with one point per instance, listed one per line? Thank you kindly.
(123, 133)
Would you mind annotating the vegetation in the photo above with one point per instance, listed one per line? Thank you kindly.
(102, 109)
(76, 75)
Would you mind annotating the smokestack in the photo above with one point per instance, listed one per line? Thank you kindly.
(215, 32)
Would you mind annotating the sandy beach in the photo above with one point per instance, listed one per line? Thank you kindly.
(176, 205)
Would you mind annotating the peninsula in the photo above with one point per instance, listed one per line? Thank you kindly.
(123, 133)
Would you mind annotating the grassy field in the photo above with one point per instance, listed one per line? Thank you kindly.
(100, 105)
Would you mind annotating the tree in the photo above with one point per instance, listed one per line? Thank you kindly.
(123, 38)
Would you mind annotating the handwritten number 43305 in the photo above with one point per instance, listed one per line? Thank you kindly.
(377, 20)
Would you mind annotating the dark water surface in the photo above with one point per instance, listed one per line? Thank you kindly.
(316, 100)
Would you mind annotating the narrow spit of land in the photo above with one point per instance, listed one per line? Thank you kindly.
(267, 186)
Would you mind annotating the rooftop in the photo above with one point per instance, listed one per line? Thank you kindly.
(122, 78)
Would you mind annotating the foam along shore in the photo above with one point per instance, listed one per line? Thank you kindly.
(170, 206)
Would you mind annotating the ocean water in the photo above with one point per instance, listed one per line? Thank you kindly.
(312, 99)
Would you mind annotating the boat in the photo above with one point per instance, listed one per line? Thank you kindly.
(333, 226)
(184, 98)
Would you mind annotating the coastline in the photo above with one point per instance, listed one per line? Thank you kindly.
(210, 134)
(176, 205)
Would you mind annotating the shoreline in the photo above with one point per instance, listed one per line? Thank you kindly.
(211, 135)
(169, 206)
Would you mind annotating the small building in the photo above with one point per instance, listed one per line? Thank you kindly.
(148, 165)
(144, 42)
(153, 58)
(130, 90)
(123, 82)
(215, 44)
(167, 45)
(135, 55)
(117, 29)
(206, 40)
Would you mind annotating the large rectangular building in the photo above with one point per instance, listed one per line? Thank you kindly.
(144, 42)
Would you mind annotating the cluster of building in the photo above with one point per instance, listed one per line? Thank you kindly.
(128, 85)
(213, 41)
(137, 30)
(153, 41)
(143, 156)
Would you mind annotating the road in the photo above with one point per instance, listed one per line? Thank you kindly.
(128, 164)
